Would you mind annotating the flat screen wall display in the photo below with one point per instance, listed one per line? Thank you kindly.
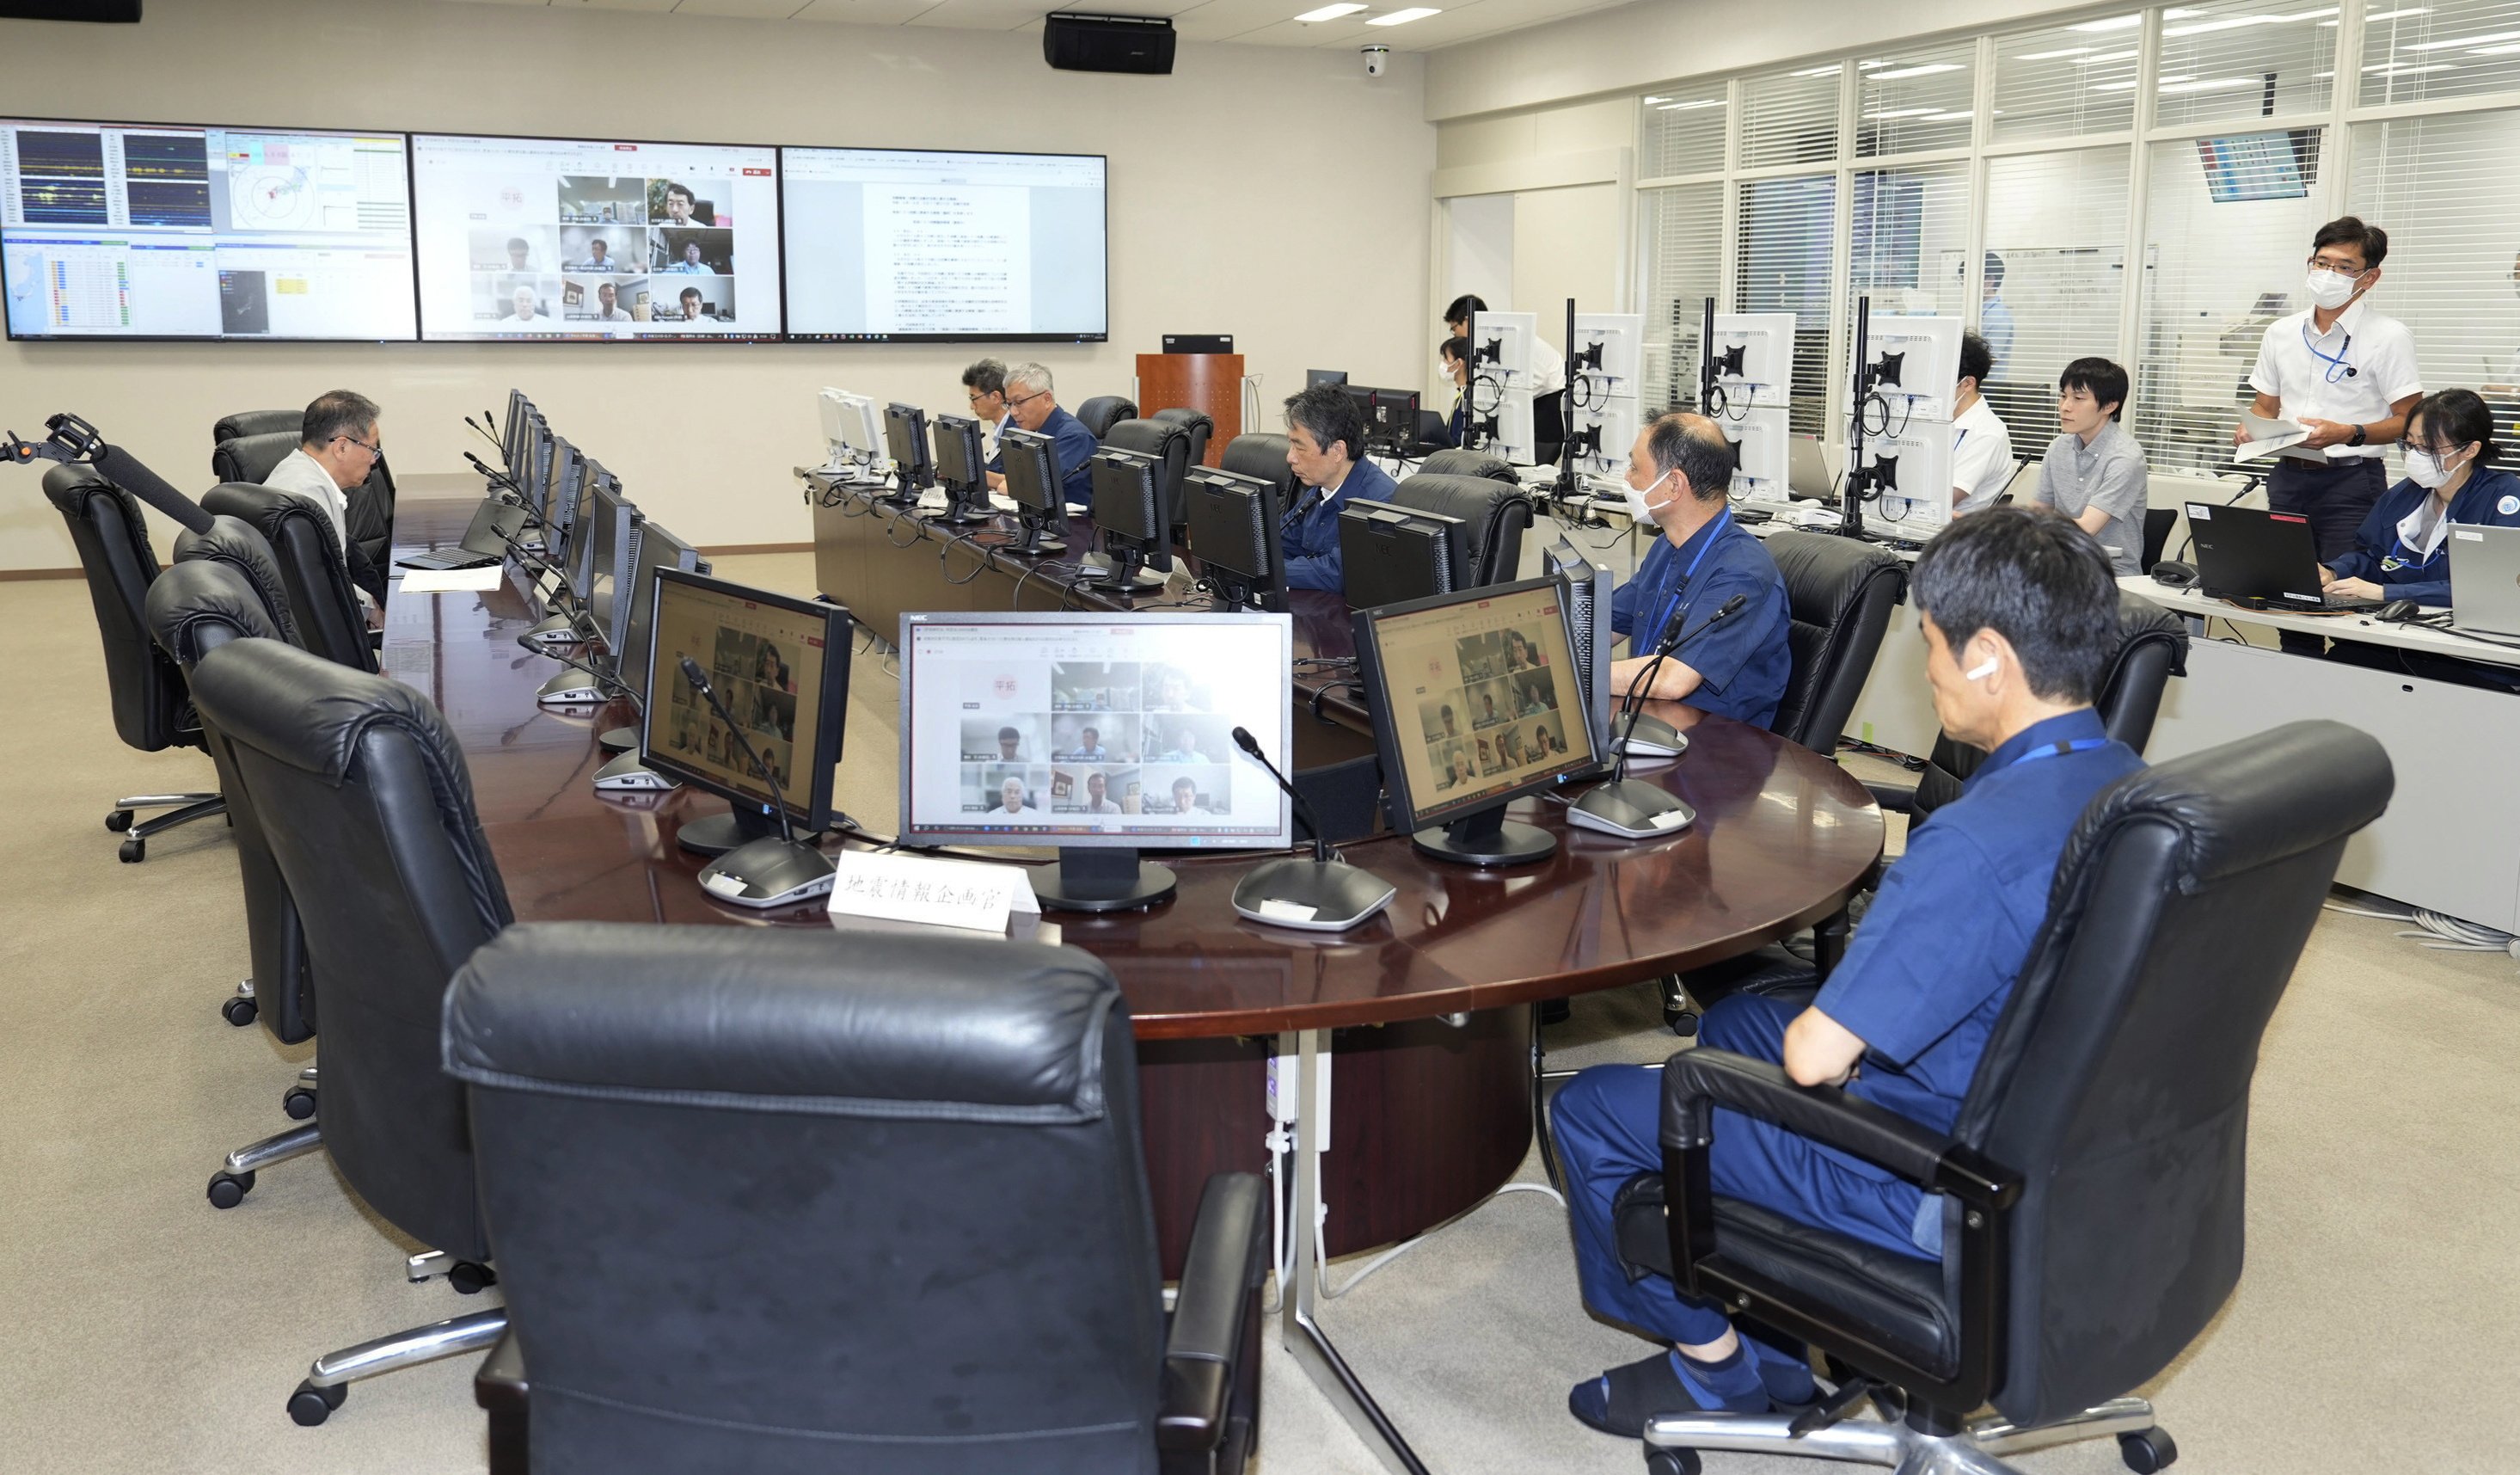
(594, 239)
(898, 245)
(160, 231)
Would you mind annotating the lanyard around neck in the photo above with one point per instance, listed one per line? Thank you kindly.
(1679, 586)
(2056, 750)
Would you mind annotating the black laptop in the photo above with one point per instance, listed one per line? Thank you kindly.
(485, 541)
(2264, 560)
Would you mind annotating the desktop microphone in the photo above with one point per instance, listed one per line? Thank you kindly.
(770, 871)
(481, 428)
(1632, 809)
(497, 478)
(1651, 736)
(1324, 894)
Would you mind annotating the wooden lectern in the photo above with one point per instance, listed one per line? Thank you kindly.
(1209, 382)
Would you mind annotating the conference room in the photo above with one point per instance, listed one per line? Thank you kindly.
(1957, 607)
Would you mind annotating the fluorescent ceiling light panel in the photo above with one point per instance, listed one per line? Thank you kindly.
(2411, 68)
(1328, 13)
(1404, 17)
(2113, 22)
(1887, 115)
(2388, 15)
(2493, 51)
(2210, 85)
(2052, 56)
(1928, 69)
(1829, 70)
(1703, 101)
(2488, 38)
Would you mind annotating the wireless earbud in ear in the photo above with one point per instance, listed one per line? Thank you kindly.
(1981, 670)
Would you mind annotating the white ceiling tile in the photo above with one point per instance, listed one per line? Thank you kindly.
(864, 12)
(746, 9)
(646, 5)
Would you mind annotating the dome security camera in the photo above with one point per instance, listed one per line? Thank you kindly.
(1376, 58)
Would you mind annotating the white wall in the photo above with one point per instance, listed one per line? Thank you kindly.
(1221, 222)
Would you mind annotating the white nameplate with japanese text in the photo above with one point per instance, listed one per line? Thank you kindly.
(893, 886)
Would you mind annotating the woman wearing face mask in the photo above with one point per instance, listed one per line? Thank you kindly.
(2403, 550)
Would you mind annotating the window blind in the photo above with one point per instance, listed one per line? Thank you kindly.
(1790, 116)
(1783, 263)
(1682, 130)
(1909, 102)
(2234, 60)
(1683, 244)
(2441, 187)
(2450, 48)
(2066, 81)
(2055, 276)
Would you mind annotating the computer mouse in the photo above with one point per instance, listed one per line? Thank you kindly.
(2174, 574)
(2397, 610)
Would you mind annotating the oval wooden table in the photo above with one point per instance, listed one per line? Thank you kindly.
(1423, 1011)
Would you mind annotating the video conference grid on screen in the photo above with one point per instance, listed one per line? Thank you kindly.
(160, 231)
(900, 244)
(1121, 730)
(1484, 697)
(593, 239)
(765, 665)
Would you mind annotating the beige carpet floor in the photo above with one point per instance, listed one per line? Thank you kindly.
(147, 1332)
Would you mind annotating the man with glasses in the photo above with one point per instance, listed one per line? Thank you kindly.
(339, 446)
(2347, 374)
(1032, 406)
(984, 385)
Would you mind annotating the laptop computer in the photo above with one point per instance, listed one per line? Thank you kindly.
(2485, 580)
(2264, 560)
(1807, 469)
(485, 539)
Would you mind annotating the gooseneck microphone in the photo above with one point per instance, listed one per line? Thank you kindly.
(1634, 809)
(1324, 894)
(1657, 733)
(770, 871)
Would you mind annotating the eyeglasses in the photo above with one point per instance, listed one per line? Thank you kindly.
(976, 396)
(2331, 263)
(1026, 400)
(376, 452)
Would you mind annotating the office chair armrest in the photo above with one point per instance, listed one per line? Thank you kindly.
(1214, 1311)
(1894, 798)
(1694, 1080)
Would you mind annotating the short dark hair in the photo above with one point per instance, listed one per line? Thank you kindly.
(1994, 269)
(1692, 445)
(1456, 347)
(2034, 577)
(1005, 733)
(988, 376)
(519, 243)
(2102, 379)
(689, 293)
(2353, 230)
(1329, 414)
(1466, 306)
(1976, 360)
(2452, 419)
(338, 413)
(683, 190)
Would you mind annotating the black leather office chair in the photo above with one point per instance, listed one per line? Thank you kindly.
(2157, 523)
(1498, 512)
(239, 546)
(1842, 592)
(152, 710)
(1200, 425)
(1468, 463)
(778, 1200)
(1262, 455)
(251, 457)
(330, 621)
(1169, 443)
(1104, 411)
(2152, 648)
(369, 813)
(2095, 1184)
(256, 422)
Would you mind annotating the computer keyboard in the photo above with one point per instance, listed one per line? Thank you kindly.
(2348, 602)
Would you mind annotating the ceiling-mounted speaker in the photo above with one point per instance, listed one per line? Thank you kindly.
(114, 11)
(1077, 41)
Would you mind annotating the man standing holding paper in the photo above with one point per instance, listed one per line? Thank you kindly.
(2345, 374)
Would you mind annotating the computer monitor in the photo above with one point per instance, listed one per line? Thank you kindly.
(511, 431)
(615, 545)
(1130, 515)
(1477, 700)
(1752, 354)
(780, 667)
(1389, 554)
(1032, 473)
(1096, 735)
(658, 547)
(1588, 586)
(1233, 523)
(905, 435)
(852, 431)
(963, 470)
(1391, 420)
(1908, 481)
(1314, 378)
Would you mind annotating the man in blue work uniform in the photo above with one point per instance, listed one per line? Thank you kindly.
(1325, 449)
(1032, 406)
(1679, 475)
(2020, 616)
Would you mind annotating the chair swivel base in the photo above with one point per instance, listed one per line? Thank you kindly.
(328, 1382)
(235, 1178)
(182, 808)
(1975, 1449)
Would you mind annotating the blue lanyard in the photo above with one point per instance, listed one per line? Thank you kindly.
(1673, 588)
(2337, 368)
(2058, 750)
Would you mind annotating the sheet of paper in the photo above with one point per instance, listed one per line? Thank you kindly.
(453, 580)
(895, 887)
(2270, 438)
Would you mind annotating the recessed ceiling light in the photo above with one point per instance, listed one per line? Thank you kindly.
(1404, 17)
(1328, 13)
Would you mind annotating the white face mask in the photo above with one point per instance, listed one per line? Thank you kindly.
(2330, 289)
(2425, 469)
(1638, 508)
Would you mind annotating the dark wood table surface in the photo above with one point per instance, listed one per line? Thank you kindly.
(1781, 839)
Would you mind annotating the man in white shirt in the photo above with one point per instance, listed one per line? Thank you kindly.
(338, 444)
(1548, 362)
(1981, 447)
(523, 307)
(607, 305)
(1098, 796)
(598, 257)
(2346, 373)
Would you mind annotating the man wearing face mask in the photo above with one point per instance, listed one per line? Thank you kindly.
(1678, 474)
(2019, 610)
(2346, 373)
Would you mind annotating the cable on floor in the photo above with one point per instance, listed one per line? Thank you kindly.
(2439, 931)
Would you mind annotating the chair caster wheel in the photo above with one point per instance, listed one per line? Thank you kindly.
(310, 1406)
(239, 1012)
(1683, 1022)
(118, 821)
(133, 851)
(227, 1190)
(1672, 1463)
(2150, 1451)
(298, 1101)
(470, 1278)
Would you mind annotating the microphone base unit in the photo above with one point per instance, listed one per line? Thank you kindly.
(1632, 809)
(715, 835)
(625, 774)
(618, 739)
(1486, 839)
(1652, 737)
(573, 688)
(555, 630)
(768, 872)
(1091, 879)
(1313, 895)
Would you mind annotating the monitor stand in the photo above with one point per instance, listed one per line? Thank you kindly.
(618, 739)
(960, 510)
(1117, 576)
(1036, 542)
(1091, 878)
(743, 822)
(1486, 838)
